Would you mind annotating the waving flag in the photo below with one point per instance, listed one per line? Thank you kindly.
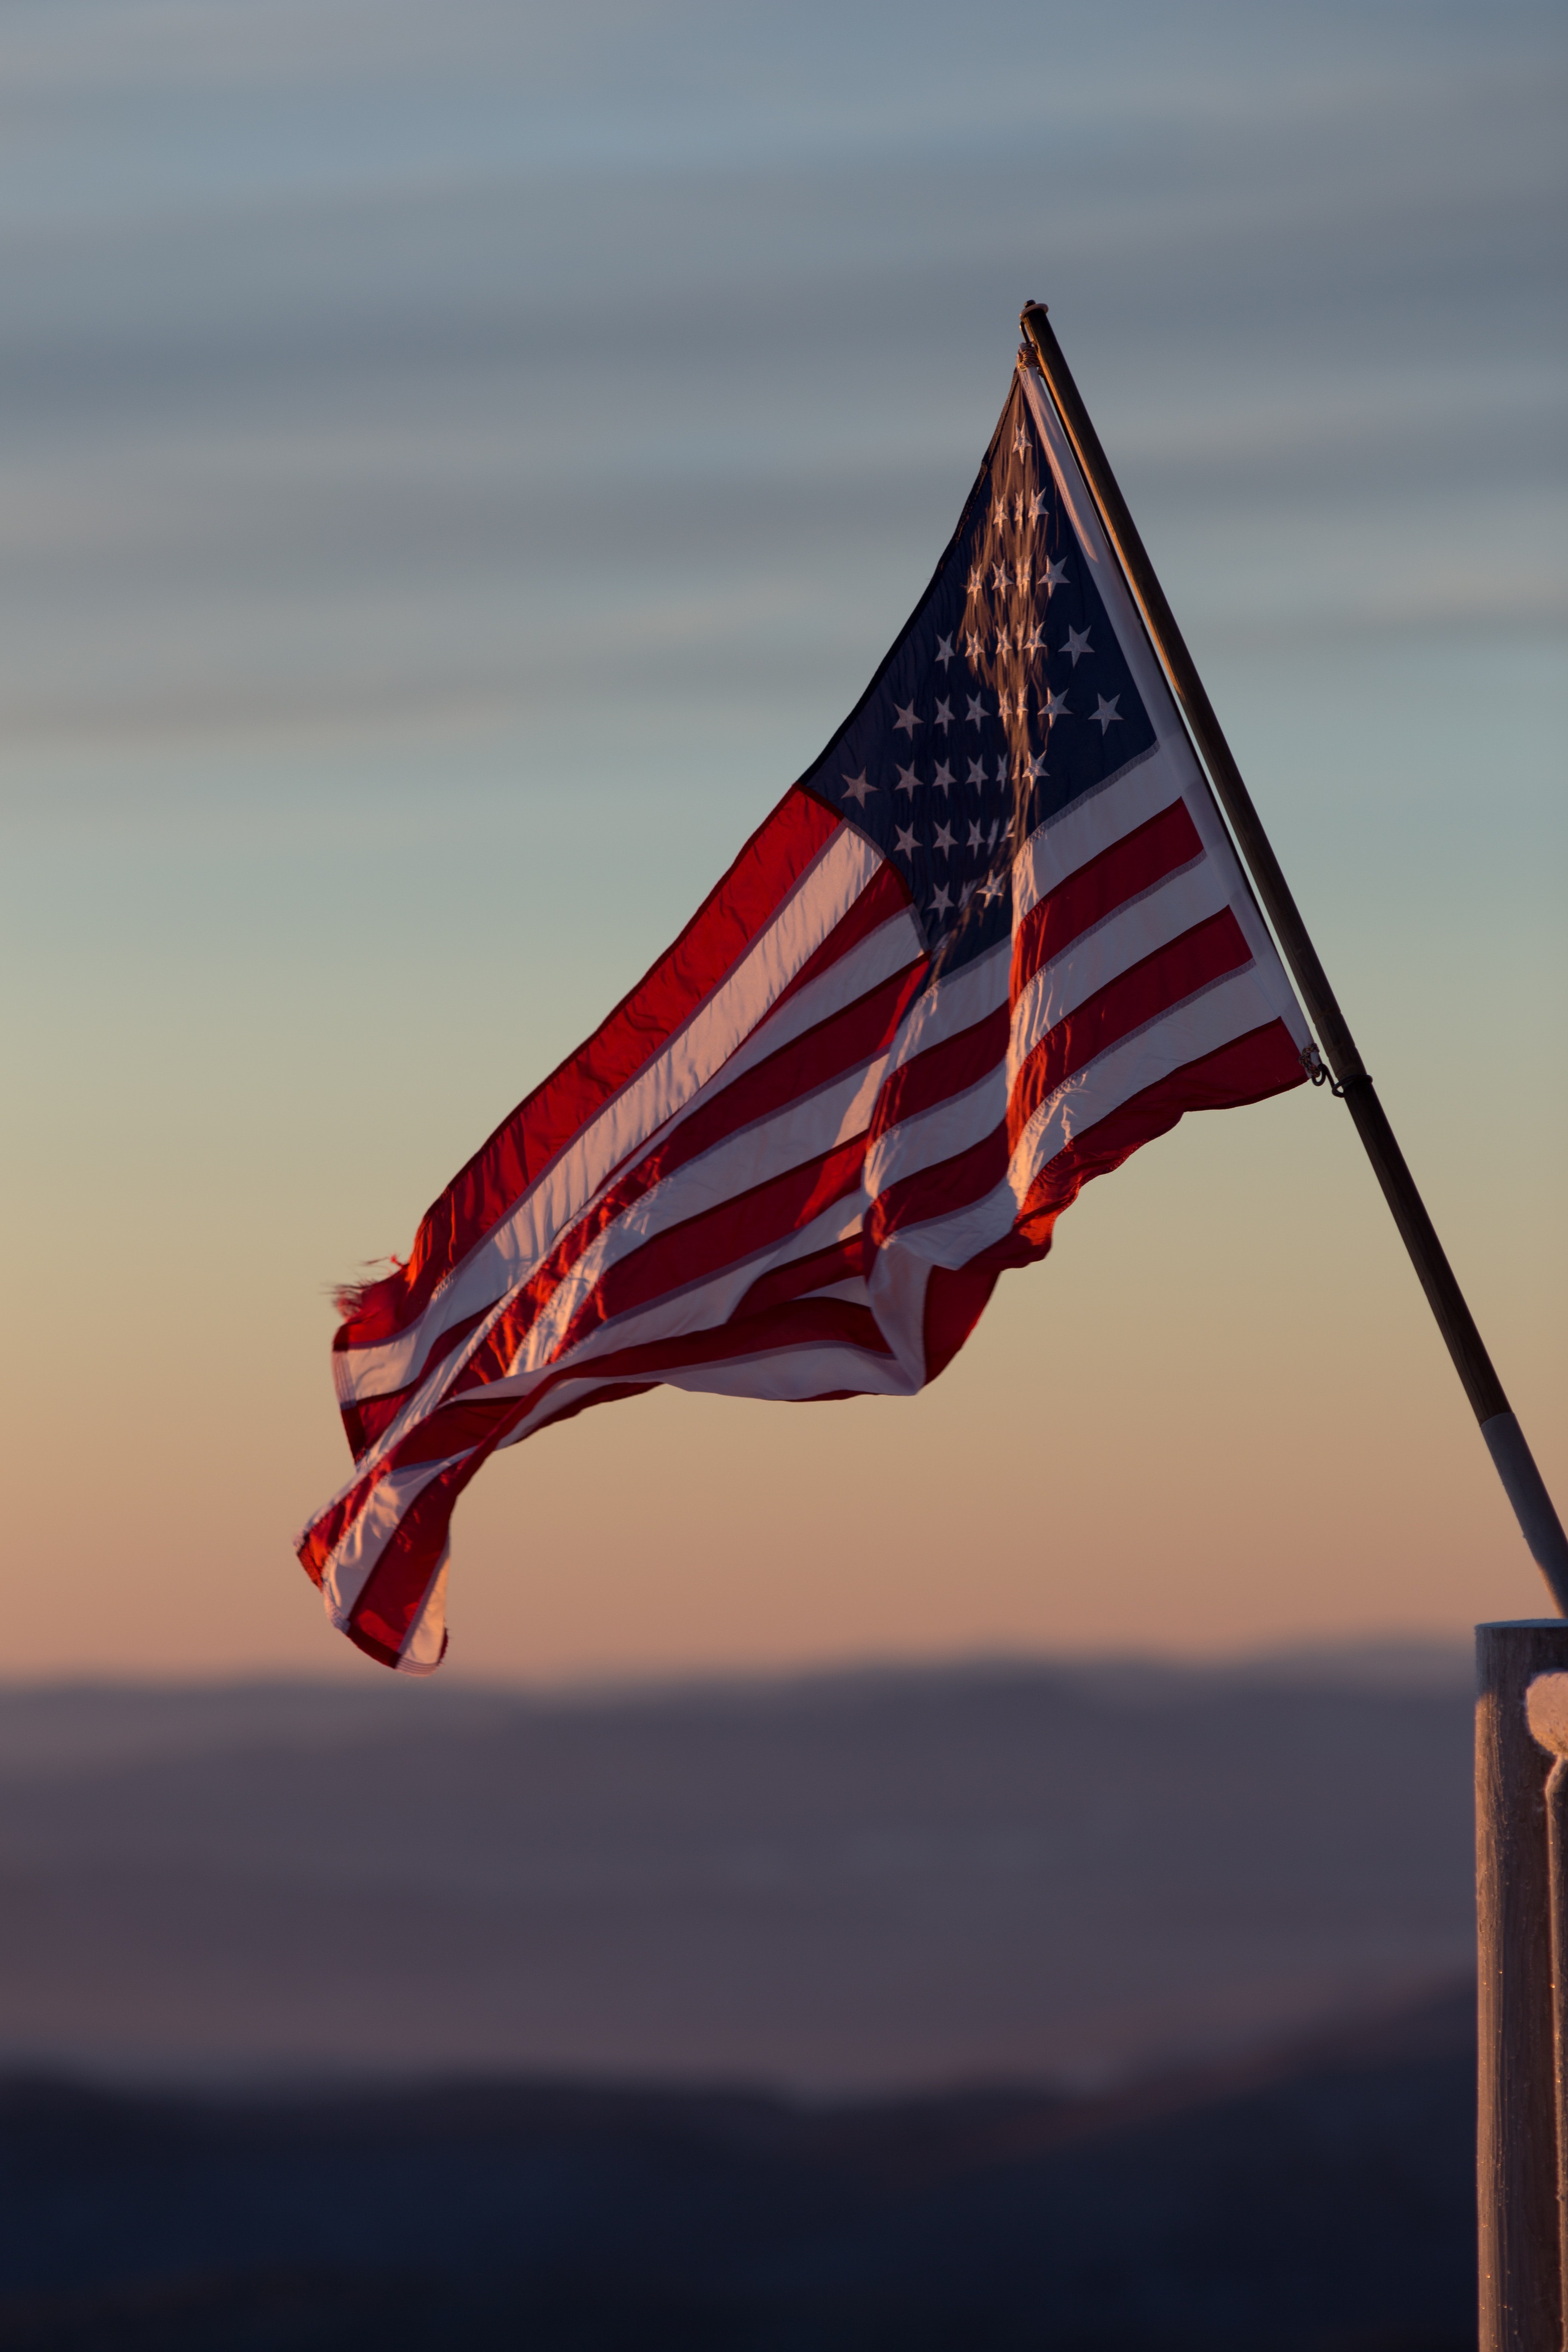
(994, 940)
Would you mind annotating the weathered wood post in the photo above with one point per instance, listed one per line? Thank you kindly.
(1522, 1932)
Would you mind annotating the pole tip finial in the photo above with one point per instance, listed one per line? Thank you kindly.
(1034, 303)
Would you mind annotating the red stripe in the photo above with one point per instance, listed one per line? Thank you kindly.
(802, 1275)
(740, 1227)
(957, 1297)
(856, 1033)
(796, 1323)
(1132, 864)
(475, 1426)
(520, 1150)
(1265, 1061)
(846, 1041)
(1138, 995)
(1155, 850)
(943, 1070)
(938, 1190)
(394, 1592)
(364, 1424)
(324, 1533)
(884, 899)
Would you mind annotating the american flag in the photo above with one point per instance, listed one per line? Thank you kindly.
(993, 941)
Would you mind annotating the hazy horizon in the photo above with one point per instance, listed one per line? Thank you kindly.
(834, 1882)
(1397, 1655)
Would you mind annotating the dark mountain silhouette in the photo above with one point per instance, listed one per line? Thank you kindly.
(1317, 2201)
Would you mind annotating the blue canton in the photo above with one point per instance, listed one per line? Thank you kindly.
(1006, 697)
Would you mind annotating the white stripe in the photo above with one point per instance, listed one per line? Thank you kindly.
(891, 948)
(421, 1651)
(942, 1013)
(697, 1305)
(789, 1374)
(514, 1247)
(374, 1525)
(953, 1005)
(1123, 939)
(1200, 1025)
(802, 1132)
(796, 1373)
(700, 1306)
(1227, 1010)
(953, 1240)
(950, 1125)
(1114, 946)
(1093, 824)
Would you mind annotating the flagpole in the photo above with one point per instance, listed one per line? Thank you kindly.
(1515, 1464)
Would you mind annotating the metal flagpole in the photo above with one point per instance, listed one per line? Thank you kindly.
(1514, 1463)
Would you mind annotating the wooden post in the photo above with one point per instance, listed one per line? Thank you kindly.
(1546, 1710)
(1512, 1458)
(1520, 2210)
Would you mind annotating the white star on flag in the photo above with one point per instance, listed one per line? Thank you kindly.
(856, 788)
(908, 780)
(907, 840)
(1055, 706)
(1055, 574)
(942, 839)
(943, 778)
(977, 711)
(944, 651)
(906, 722)
(1108, 714)
(1077, 643)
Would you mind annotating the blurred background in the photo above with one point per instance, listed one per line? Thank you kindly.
(458, 465)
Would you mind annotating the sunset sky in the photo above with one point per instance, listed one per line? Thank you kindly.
(458, 464)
